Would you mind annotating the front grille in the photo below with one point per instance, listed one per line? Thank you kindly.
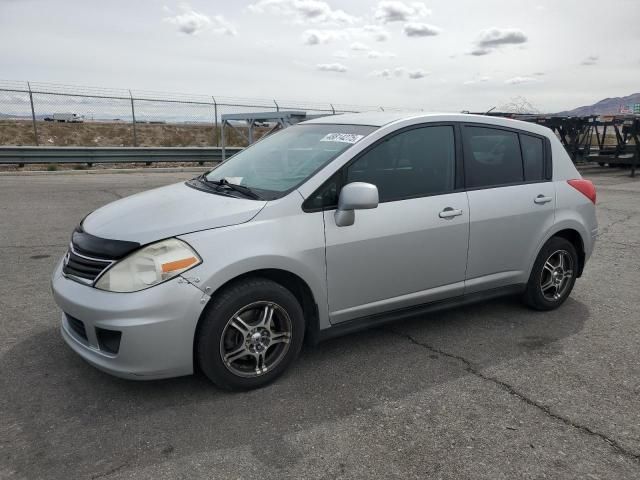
(77, 326)
(83, 267)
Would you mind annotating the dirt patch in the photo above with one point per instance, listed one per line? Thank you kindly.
(117, 134)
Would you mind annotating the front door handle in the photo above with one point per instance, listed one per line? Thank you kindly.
(541, 199)
(450, 212)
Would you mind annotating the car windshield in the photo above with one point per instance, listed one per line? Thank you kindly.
(280, 162)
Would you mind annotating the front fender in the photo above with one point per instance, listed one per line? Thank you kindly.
(293, 244)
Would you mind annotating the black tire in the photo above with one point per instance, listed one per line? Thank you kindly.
(539, 299)
(217, 321)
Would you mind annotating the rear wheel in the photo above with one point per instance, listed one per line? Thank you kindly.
(250, 334)
(553, 275)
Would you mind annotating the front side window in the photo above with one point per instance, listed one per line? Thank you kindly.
(282, 161)
(413, 163)
(326, 196)
(492, 157)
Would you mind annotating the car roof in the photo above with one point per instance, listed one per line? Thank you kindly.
(375, 119)
(379, 119)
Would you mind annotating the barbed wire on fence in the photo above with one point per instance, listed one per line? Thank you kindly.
(41, 113)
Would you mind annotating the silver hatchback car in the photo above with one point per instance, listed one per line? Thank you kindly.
(335, 224)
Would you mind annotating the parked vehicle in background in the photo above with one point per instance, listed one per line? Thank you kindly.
(335, 224)
(65, 117)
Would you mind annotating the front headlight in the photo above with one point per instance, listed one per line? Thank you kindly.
(149, 266)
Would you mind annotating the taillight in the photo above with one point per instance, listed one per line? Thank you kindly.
(585, 187)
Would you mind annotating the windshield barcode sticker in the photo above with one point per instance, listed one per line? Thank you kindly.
(341, 137)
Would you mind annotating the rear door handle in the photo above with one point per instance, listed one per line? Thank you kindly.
(450, 212)
(541, 199)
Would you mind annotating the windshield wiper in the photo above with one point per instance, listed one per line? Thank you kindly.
(223, 182)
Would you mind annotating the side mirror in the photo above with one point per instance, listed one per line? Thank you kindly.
(355, 196)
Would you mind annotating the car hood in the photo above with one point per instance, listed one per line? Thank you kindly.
(166, 212)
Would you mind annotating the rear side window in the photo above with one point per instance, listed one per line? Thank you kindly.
(533, 156)
(492, 157)
(413, 163)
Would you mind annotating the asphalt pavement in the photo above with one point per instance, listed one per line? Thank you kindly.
(489, 391)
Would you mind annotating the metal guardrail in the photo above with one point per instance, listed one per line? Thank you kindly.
(91, 155)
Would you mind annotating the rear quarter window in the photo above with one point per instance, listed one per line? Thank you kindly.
(533, 157)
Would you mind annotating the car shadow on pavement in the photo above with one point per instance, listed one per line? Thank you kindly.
(67, 418)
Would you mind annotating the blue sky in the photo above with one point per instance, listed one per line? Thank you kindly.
(437, 55)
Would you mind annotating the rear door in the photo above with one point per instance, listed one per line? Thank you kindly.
(412, 248)
(511, 202)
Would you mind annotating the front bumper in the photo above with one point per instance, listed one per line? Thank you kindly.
(157, 326)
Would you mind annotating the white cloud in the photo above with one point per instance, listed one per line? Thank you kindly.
(359, 47)
(590, 60)
(342, 18)
(416, 74)
(368, 32)
(493, 38)
(341, 54)
(331, 67)
(413, 74)
(317, 37)
(378, 33)
(396, 11)
(420, 30)
(305, 11)
(520, 80)
(481, 79)
(376, 54)
(420, 9)
(222, 26)
(399, 71)
(478, 52)
(386, 73)
(369, 52)
(191, 22)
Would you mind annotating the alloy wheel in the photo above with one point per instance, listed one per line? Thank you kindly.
(255, 339)
(557, 273)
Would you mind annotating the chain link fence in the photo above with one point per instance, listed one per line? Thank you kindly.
(46, 114)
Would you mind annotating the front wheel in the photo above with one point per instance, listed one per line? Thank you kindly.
(553, 275)
(250, 334)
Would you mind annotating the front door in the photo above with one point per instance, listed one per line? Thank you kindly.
(412, 248)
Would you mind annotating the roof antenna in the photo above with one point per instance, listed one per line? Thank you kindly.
(490, 110)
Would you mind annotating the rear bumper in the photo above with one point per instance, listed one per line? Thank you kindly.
(156, 326)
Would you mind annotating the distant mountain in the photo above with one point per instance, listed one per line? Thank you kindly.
(608, 106)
